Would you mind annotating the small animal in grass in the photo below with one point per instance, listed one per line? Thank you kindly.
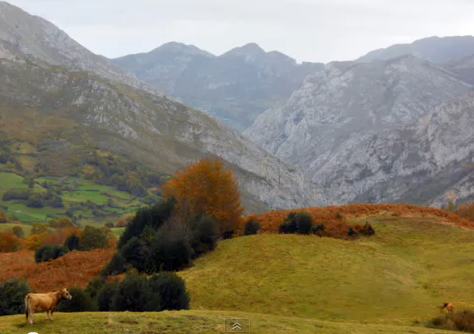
(447, 306)
(44, 302)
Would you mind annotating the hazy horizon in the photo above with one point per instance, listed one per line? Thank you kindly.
(307, 30)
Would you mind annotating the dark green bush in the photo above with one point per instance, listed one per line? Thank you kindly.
(169, 254)
(300, 223)
(304, 223)
(110, 225)
(318, 229)
(351, 232)
(132, 294)
(134, 253)
(172, 291)
(154, 216)
(94, 286)
(163, 291)
(116, 266)
(81, 302)
(205, 235)
(55, 202)
(48, 253)
(289, 226)
(12, 297)
(73, 242)
(227, 235)
(105, 296)
(16, 194)
(251, 227)
(35, 201)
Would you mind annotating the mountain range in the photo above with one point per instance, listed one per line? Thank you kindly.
(235, 87)
(434, 49)
(395, 130)
(391, 126)
(63, 99)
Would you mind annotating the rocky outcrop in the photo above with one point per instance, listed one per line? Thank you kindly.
(34, 36)
(351, 130)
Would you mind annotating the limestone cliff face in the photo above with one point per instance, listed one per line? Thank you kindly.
(370, 133)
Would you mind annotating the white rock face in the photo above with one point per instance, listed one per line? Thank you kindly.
(348, 128)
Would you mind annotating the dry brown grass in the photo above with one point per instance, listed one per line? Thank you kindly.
(73, 269)
(466, 212)
(336, 218)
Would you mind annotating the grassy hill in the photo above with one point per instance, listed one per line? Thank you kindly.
(191, 322)
(383, 283)
(397, 276)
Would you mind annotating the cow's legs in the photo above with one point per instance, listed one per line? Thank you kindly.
(49, 315)
(31, 317)
(52, 316)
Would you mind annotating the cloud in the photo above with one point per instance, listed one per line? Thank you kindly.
(312, 30)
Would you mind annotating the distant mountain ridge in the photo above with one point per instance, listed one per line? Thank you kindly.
(37, 37)
(434, 49)
(328, 126)
(71, 102)
(235, 87)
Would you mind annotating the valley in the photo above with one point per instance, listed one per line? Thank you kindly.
(171, 189)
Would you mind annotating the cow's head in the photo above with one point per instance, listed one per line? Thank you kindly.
(65, 294)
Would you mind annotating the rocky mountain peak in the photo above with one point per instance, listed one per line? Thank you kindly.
(434, 49)
(180, 48)
(248, 50)
(34, 36)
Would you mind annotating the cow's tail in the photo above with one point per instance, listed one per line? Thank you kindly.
(27, 306)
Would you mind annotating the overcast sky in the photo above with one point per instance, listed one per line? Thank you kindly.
(310, 30)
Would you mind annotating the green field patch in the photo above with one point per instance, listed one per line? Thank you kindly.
(26, 228)
(84, 196)
(93, 187)
(121, 195)
(52, 180)
(26, 214)
(9, 181)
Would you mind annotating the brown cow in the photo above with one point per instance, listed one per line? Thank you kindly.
(448, 306)
(44, 302)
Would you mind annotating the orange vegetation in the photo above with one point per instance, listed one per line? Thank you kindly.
(207, 188)
(73, 269)
(335, 218)
(466, 211)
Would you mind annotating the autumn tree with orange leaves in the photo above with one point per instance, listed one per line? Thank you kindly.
(8, 242)
(207, 189)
